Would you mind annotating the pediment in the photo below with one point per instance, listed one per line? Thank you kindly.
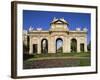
(59, 21)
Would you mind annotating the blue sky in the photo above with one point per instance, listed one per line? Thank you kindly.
(59, 43)
(43, 18)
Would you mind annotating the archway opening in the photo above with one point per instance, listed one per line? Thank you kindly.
(73, 45)
(44, 46)
(59, 45)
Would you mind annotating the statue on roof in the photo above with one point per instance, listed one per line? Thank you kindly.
(30, 28)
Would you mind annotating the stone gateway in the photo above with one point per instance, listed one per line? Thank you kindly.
(42, 41)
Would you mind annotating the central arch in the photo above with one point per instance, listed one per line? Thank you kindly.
(59, 45)
(44, 46)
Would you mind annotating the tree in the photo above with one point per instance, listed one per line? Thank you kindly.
(25, 48)
(89, 46)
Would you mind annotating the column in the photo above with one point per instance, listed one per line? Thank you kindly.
(39, 46)
(49, 45)
(52, 45)
(68, 45)
(85, 45)
(30, 46)
(65, 45)
(78, 45)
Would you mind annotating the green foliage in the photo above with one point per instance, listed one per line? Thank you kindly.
(60, 50)
(89, 46)
(25, 48)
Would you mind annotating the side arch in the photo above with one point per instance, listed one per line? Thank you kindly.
(44, 46)
(73, 45)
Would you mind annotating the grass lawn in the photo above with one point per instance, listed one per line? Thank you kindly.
(57, 60)
(62, 54)
(56, 55)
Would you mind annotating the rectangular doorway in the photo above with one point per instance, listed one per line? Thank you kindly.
(82, 47)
